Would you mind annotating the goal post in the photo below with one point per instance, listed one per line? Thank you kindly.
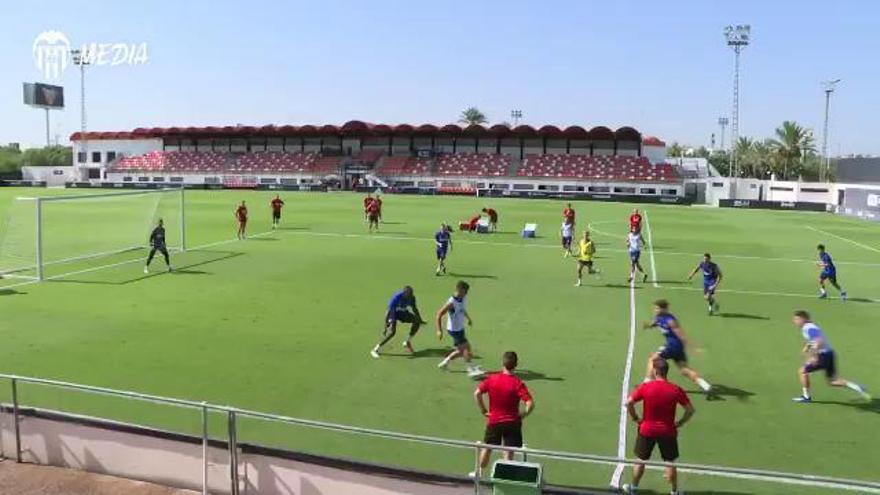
(57, 233)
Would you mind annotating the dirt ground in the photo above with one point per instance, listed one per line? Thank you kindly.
(29, 479)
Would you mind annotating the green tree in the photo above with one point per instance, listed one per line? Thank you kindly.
(472, 115)
(791, 145)
(52, 156)
(675, 150)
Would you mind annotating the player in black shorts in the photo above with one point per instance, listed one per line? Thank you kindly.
(157, 243)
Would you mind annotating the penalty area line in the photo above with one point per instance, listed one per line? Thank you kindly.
(844, 239)
(651, 250)
(624, 387)
(122, 263)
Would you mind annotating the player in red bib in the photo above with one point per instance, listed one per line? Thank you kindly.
(472, 223)
(493, 218)
(568, 215)
(276, 205)
(373, 216)
(378, 202)
(367, 201)
(241, 214)
(635, 221)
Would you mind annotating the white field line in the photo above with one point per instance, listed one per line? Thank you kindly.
(756, 292)
(554, 246)
(624, 386)
(121, 263)
(784, 481)
(854, 243)
(651, 250)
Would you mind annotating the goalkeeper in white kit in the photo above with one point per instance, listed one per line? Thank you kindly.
(157, 243)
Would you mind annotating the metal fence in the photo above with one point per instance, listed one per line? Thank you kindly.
(233, 413)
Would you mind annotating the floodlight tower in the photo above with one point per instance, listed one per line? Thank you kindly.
(82, 59)
(826, 165)
(515, 115)
(722, 121)
(738, 37)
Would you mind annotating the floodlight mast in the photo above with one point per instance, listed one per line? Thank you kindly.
(738, 37)
(516, 115)
(825, 170)
(722, 121)
(82, 59)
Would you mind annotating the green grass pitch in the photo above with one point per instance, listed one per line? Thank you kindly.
(283, 322)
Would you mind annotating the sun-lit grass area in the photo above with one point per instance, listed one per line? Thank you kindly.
(283, 322)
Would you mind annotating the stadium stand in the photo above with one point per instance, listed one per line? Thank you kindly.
(175, 161)
(276, 162)
(473, 165)
(596, 168)
(369, 157)
(404, 165)
(215, 161)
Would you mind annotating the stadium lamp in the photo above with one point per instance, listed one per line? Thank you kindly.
(516, 115)
(738, 37)
(829, 88)
(82, 59)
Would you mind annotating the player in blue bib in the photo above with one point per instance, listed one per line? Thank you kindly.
(443, 240)
(399, 308)
(828, 272)
(821, 357)
(674, 347)
(711, 278)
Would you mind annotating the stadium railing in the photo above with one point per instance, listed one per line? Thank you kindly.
(233, 413)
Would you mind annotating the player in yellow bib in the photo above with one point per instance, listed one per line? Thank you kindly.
(585, 259)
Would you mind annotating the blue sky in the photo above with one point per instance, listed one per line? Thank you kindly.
(661, 67)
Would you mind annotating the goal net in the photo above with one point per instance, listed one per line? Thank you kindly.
(50, 236)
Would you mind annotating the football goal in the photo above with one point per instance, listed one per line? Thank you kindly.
(50, 236)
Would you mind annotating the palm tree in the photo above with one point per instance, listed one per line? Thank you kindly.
(472, 115)
(791, 145)
(744, 156)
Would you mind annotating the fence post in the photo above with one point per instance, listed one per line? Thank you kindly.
(478, 469)
(15, 420)
(204, 448)
(233, 454)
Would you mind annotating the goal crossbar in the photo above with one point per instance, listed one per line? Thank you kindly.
(44, 199)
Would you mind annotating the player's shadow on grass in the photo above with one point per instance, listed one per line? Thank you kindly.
(723, 392)
(531, 375)
(861, 300)
(470, 275)
(436, 352)
(11, 292)
(392, 223)
(293, 228)
(869, 406)
(621, 286)
(183, 269)
(743, 316)
(672, 282)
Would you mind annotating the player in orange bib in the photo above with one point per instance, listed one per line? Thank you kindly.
(241, 214)
(276, 205)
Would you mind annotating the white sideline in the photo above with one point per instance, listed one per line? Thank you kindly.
(855, 243)
(651, 250)
(785, 481)
(624, 387)
(120, 263)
